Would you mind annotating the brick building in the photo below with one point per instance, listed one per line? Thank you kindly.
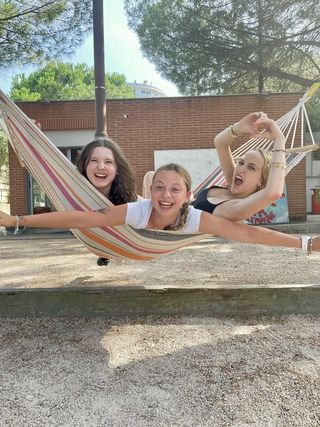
(144, 126)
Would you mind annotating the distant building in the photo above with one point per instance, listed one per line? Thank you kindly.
(144, 90)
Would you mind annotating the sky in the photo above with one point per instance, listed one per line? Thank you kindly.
(122, 53)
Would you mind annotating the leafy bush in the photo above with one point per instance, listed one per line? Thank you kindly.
(3, 149)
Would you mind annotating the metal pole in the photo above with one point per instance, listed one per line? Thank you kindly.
(99, 70)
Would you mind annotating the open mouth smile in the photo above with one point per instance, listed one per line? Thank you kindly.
(100, 175)
(238, 180)
(165, 204)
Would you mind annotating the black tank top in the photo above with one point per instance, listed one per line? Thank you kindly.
(201, 202)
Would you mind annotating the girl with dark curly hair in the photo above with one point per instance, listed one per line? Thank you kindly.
(104, 164)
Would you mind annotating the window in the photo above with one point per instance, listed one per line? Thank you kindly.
(39, 201)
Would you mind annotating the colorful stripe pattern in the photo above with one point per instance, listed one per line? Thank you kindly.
(69, 190)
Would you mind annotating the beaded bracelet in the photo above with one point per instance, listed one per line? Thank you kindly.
(18, 219)
(310, 243)
(233, 131)
(280, 165)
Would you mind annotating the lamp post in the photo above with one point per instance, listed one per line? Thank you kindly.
(99, 69)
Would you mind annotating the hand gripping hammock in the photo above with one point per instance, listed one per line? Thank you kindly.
(69, 190)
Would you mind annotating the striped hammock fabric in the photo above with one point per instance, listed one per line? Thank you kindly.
(69, 190)
(288, 123)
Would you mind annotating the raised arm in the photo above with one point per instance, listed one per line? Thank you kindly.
(247, 125)
(113, 215)
(241, 209)
(275, 182)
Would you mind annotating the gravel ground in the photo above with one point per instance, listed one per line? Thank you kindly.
(161, 372)
(64, 262)
(168, 371)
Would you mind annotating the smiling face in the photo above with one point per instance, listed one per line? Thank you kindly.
(247, 176)
(101, 169)
(168, 194)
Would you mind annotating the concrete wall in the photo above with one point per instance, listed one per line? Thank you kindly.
(4, 190)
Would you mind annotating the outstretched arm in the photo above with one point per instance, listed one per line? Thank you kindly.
(113, 215)
(210, 224)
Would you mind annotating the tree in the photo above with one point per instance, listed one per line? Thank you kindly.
(313, 109)
(230, 46)
(65, 81)
(32, 31)
(3, 150)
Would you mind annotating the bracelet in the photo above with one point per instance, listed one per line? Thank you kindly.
(280, 165)
(278, 151)
(18, 219)
(233, 131)
(310, 243)
(306, 244)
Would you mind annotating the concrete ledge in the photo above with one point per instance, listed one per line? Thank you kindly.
(296, 227)
(120, 302)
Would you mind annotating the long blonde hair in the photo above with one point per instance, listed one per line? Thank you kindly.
(184, 210)
(266, 155)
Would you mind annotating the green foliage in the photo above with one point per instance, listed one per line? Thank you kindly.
(3, 150)
(65, 81)
(230, 46)
(313, 109)
(36, 31)
(117, 87)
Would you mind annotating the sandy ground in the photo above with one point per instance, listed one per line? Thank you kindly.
(161, 372)
(64, 262)
(168, 371)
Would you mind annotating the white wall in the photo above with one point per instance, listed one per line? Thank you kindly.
(199, 163)
(71, 138)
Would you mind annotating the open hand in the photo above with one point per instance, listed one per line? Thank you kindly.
(266, 128)
(316, 244)
(250, 123)
(7, 220)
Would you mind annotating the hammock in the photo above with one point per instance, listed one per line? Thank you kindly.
(288, 123)
(69, 190)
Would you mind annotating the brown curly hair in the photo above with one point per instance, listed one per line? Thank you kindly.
(123, 187)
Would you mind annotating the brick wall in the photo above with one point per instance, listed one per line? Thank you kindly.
(18, 185)
(141, 126)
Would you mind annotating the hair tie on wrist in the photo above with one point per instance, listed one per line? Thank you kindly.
(278, 151)
(306, 244)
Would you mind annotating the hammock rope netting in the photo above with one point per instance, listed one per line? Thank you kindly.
(67, 189)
